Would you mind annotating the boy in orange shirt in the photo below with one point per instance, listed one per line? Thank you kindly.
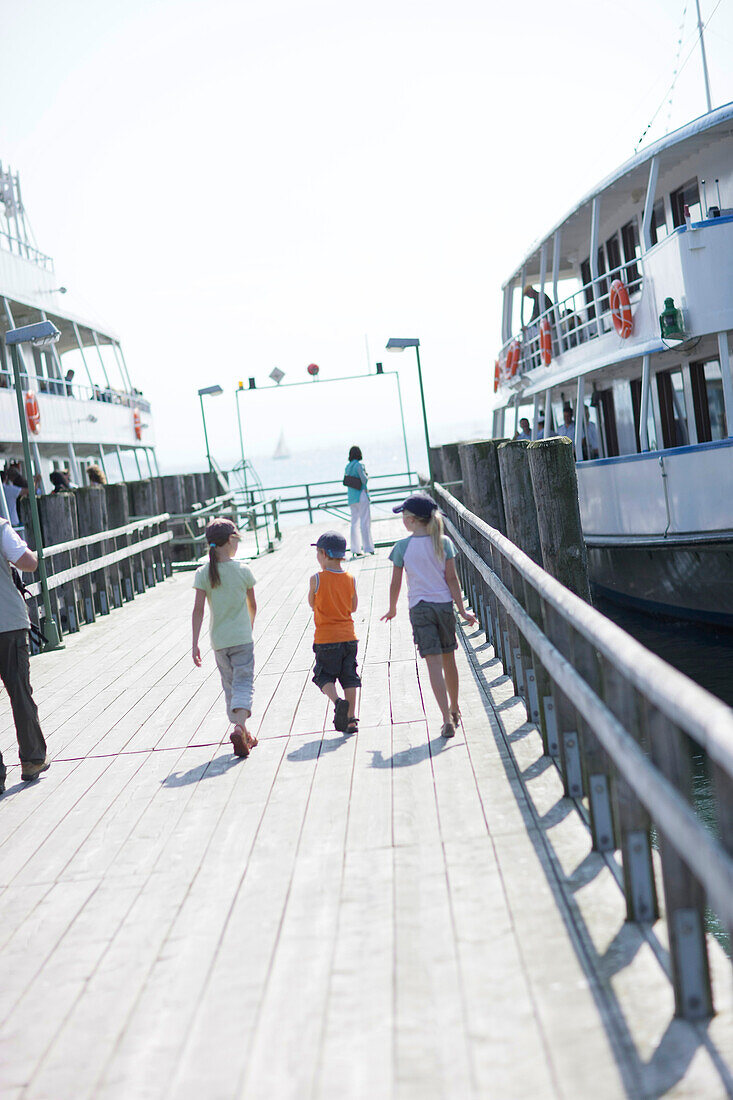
(332, 595)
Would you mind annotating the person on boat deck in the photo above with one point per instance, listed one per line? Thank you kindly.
(537, 308)
(539, 432)
(358, 498)
(524, 431)
(15, 656)
(590, 435)
(96, 474)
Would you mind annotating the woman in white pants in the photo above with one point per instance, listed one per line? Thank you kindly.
(361, 520)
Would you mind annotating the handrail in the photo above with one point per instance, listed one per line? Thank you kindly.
(614, 716)
(56, 580)
(102, 536)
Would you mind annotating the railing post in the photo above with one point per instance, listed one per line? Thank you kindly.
(684, 897)
(118, 514)
(59, 524)
(143, 502)
(308, 503)
(481, 482)
(91, 510)
(632, 822)
(554, 480)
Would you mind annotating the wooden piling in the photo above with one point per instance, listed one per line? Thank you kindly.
(57, 513)
(517, 491)
(436, 463)
(481, 481)
(555, 485)
(143, 498)
(452, 477)
(91, 510)
(118, 515)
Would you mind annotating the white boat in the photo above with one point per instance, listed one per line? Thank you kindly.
(632, 347)
(78, 397)
(281, 451)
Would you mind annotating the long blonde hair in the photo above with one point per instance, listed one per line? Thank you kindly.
(434, 528)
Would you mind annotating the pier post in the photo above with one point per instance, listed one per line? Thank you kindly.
(91, 510)
(118, 515)
(174, 502)
(436, 463)
(452, 470)
(143, 502)
(555, 484)
(482, 482)
(57, 513)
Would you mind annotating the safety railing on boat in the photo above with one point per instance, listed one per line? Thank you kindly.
(619, 724)
(59, 387)
(581, 316)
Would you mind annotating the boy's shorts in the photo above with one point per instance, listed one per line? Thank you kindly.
(433, 628)
(336, 661)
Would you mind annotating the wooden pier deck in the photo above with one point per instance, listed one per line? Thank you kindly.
(385, 915)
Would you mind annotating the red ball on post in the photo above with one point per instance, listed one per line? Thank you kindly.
(313, 369)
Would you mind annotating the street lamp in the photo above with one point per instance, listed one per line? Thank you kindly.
(40, 335)
(208, 391)
(397, 343)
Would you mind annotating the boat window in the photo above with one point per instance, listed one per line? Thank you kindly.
(689, 196)
(658, 228)
(602, 282)
(632, 251)
(587, 289)
(672, 409)
(613, 255)
(625, 420)
(707, 398)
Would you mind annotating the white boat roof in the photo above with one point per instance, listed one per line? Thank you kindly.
(624, 181)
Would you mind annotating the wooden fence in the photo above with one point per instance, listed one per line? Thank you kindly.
(619, 723)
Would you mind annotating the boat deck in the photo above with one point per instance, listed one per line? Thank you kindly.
(384, 915)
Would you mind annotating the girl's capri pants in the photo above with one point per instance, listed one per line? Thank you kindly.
(237, 668)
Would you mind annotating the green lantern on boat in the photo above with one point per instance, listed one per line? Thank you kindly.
(671, 323)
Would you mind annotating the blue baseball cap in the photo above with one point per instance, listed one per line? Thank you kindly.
(332, 544)
(419, 504)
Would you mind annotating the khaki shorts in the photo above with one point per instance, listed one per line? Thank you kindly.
(433, 628)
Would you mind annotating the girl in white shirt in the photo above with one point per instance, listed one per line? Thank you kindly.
(432, 589)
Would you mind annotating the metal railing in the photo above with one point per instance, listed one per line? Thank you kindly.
(90, 575)
(58, 387)
(260, 518)
(316, 497)
(581, 316)
(619, 724)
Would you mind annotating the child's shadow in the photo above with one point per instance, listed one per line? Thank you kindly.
(317, 748)
(416, 754)
(209, 770)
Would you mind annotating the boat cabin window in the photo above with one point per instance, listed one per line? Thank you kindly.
(613, 255)
(707, 398)
(689, 196)
(672, 408)
(632, 251)
(658, 228)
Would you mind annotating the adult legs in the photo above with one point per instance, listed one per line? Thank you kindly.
(365, 521)
(355, 527)
(15, 672)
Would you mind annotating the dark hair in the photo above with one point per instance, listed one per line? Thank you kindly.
(355, 454)
(218, 533)
(96, 475)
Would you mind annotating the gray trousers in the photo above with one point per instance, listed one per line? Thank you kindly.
(236, 666)
(15, 673)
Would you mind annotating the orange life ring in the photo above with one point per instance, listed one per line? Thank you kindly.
(620, 309)
(33, 412)
(545, 343)
(137, 424)
(512, 359)
(497, 375)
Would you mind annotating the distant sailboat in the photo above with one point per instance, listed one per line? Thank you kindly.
(281, 451)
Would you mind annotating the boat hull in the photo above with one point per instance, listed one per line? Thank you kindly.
(693, 581)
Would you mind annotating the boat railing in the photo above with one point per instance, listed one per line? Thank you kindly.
(582, 316)
(621, 725)
(59, 387)
(10, 243)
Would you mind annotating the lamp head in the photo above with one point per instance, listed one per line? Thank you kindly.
(211, 391)
(399, 343)
(41, 334)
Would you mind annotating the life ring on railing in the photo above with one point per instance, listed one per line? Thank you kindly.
(620, 309)
(497, 375)
(137, 424)
(545, 343)
(33, 412)
(512, 359)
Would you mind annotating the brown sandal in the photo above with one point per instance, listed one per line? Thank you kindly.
(352, 726)
(240, 746)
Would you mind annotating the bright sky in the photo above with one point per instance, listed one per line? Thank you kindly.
(235, 186)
